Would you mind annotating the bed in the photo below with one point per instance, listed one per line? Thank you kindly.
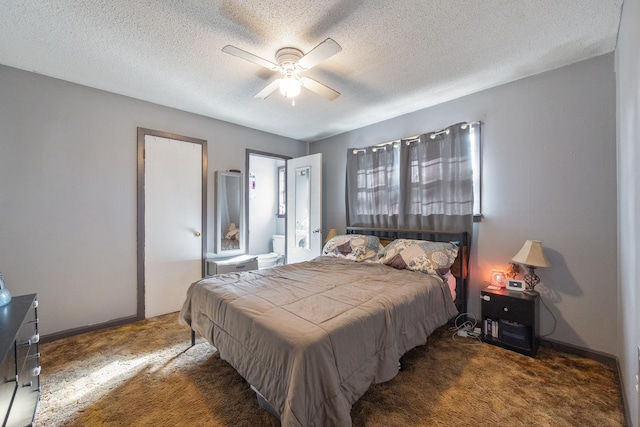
(310, 338)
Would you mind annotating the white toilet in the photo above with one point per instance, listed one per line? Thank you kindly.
(278, 244)
(276, 257)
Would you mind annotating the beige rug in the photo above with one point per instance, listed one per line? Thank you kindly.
(146, 374)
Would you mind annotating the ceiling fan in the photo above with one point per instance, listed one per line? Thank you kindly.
(291, 62)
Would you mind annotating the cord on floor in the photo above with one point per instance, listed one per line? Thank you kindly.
(466, 328)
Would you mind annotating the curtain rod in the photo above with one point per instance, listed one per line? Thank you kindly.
(464, 125)
(446, 130)
(416, 137)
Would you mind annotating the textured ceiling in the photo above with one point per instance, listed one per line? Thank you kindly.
(397, 56)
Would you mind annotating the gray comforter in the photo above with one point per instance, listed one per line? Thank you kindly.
(312, 337)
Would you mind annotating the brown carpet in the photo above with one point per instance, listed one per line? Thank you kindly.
(146, 374)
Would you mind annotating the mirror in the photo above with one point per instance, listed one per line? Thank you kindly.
(303, 207)
(230, 226)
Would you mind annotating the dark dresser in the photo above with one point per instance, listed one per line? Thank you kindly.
(20, 366)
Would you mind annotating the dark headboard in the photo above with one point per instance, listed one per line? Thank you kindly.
(460, 267)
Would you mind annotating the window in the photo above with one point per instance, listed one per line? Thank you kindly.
(431, 181)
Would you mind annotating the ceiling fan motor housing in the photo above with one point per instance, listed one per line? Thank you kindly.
(288, 57)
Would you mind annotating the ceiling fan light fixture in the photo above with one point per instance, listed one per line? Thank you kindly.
(290, 86)
(291, 62)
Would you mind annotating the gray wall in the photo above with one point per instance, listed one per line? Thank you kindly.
(628, 99)
(68, 191)
(549, 173)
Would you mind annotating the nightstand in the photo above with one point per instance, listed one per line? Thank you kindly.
(510, 320)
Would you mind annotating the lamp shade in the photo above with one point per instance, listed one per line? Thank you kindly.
(532, 254)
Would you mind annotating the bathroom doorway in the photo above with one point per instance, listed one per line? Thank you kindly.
(266, 206)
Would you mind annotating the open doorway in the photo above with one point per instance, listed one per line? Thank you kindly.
(266, 207)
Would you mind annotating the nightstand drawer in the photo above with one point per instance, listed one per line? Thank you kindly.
(511, 309)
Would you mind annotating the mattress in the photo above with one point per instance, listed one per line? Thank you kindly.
(312, 337)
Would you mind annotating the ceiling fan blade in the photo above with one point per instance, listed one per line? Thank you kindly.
(271, 87)
(319, 88)
(232, 50)
(324, 50)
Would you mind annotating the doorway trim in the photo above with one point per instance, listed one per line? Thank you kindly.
(142, 132)
(248, 155)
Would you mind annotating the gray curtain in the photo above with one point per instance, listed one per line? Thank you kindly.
(437, 180)
(373, 186)
(425, 183)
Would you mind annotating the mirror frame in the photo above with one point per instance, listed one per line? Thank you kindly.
(241, 222)
(302, 188)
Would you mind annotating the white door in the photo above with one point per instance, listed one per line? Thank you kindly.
(173, 222)
(304, 208)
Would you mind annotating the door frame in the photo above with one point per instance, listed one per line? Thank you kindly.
(248, 154)
(142, 132)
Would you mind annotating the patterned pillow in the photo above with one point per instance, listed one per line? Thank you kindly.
(420, 255)
(354, 246)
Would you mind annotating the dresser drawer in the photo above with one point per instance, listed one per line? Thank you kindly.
(511, 309)
(243, 263)
(28, 333)
(28, 388)
(7, 381)
(242, 266)
(25, 404)
(29, 376)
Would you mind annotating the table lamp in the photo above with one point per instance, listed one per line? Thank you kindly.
(531, 255)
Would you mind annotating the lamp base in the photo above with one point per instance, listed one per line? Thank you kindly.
(531, 279)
